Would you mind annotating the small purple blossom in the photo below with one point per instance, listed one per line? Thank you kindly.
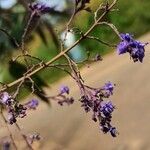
(11, 118)
(107, 108)
(94, 100)
(122, 47)
(20, 110)
(134, 48)
(16, 111)
(32, 104)
(5, 98)
(126, 37)
(64, 89)
(63, 96)
(86, 103)
(113, 131)
(109, 87)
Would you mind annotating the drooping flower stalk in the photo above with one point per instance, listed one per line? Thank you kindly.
(135, 48)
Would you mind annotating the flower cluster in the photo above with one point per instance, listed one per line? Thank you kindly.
(106, 114)
(94, 100)
(39, 8)
(62, 97)
(108, 88)
(133, 47)
(14, 109)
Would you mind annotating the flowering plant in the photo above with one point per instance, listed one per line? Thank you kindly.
(94, 100)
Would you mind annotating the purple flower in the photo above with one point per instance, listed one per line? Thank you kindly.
(5, 98)
(107, 108)
(20, 111)
(138, 51)
(108, 87)
(133, 47)
(93, 100)
(87, 104)
(126, 37)
(102, 110)
(11, 118)
(113, 131)
(32, 104)
(122, 47)
(16, 111)
(64, 89)
(106, 114)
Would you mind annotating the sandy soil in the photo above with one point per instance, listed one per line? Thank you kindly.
(70, 128)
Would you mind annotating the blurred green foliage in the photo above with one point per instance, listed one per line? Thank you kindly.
(132, 17)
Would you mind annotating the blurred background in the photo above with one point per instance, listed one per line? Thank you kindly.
(70, 128)
(132, 17)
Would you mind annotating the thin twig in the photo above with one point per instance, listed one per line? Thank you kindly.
(25, 32)
(18, 89)
(24, 136)
(65, 51)
(9, 131)
(99, 40)
(27, 55)
(67, 26)
(112, 26)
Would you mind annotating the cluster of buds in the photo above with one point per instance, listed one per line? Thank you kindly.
(93, 99)
(14, 109)
(62, 97)
(39, 8)
(133, 47)
(68, 100)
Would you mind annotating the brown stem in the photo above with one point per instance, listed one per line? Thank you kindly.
(62, 52)
(9, 131)
(24, 137)
(25, 32)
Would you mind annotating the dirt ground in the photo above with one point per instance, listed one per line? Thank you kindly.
(70, 128)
